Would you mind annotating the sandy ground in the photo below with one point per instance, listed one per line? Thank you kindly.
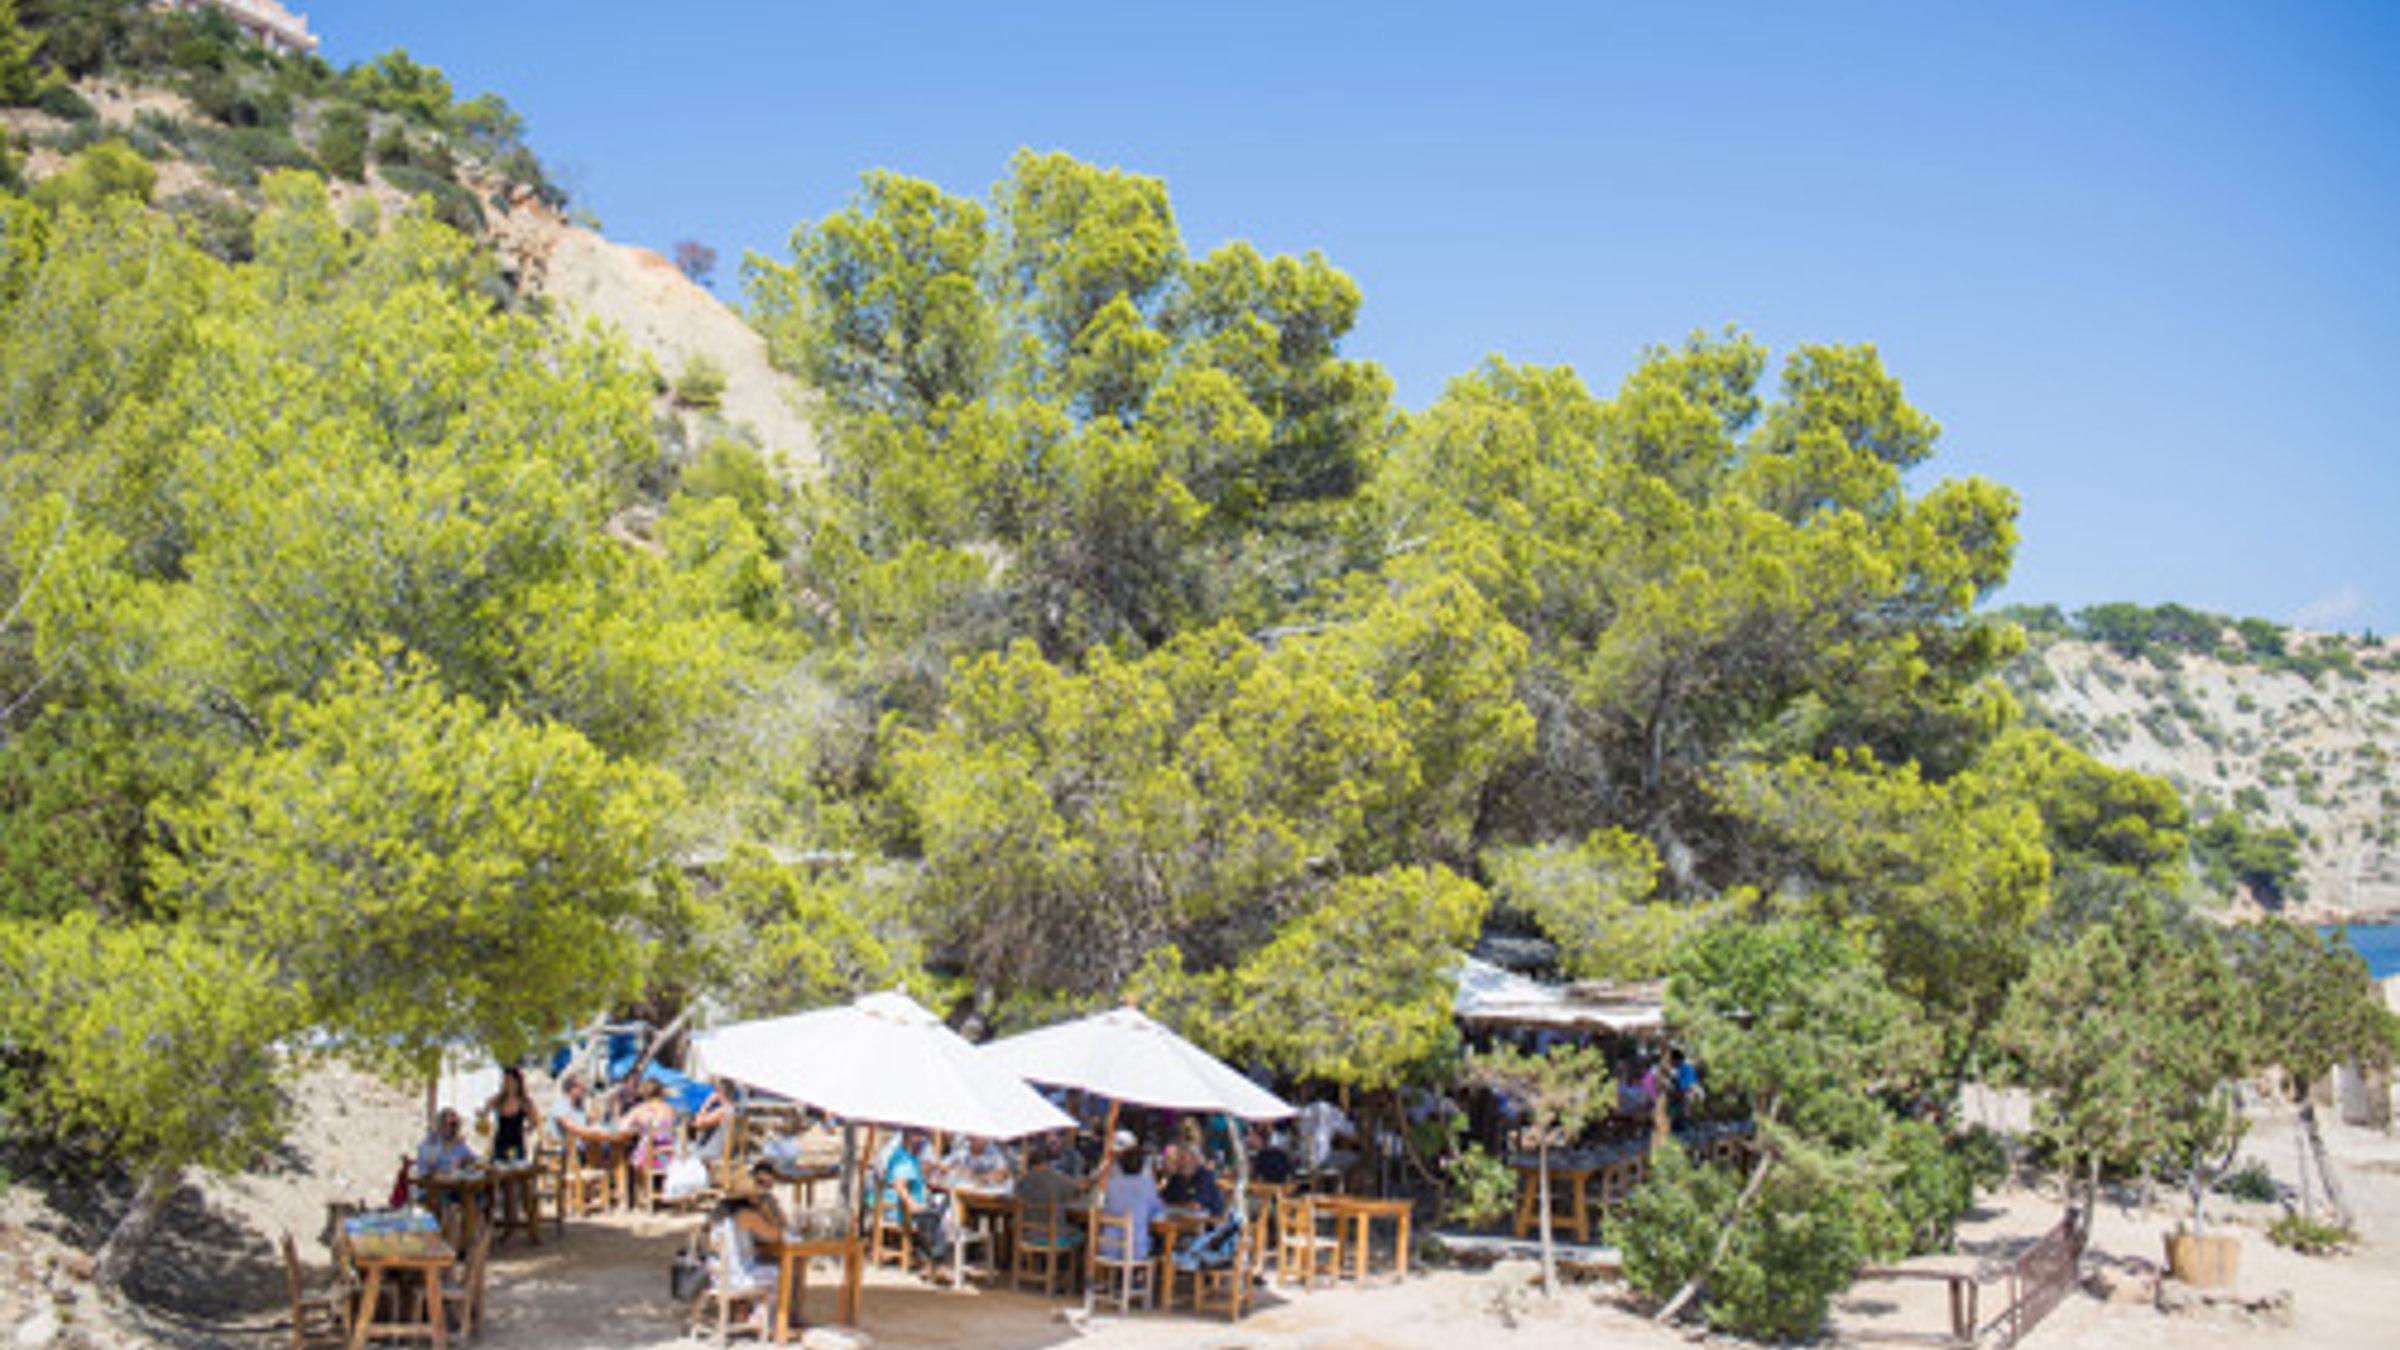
(604, 1284)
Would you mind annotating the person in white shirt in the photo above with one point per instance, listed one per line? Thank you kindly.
(1130, 1193)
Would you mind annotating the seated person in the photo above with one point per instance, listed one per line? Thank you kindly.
(1270, 1156)
(1130, 1193)
(734, 1227)
(569, 1107)
(712, 1123)
(762, 1185)
(652, 1125)
(978, 1160)
(1043, 1183)
(445, 1149)
(905, 1198)
(1192, 1182)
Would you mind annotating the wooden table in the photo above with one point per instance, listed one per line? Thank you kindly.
(995, 1203)
(515, 1195)
(424, 1255)
(792, 1253)
(1360, 1213)
(803, 1178)
(1567, 1183)
(613, 1151)
(459, 1194)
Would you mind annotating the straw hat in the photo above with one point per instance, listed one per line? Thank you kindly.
(1125, 1139)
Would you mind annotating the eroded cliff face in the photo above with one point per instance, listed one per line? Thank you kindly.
(2317, 754)
(665, 316)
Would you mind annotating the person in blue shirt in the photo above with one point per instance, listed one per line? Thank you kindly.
(1130, 1193)
(906, 1199)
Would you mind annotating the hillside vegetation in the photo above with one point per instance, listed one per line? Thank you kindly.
(2282, 743)
(391, 665)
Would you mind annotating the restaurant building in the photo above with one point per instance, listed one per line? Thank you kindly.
(264, 22)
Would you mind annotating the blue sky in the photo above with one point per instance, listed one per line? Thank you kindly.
(2137, 259)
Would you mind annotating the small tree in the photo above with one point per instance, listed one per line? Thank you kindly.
(1795, 1016)
(2133, 1037)
(156, 1039)
(697, 261)
(2317, 1008)
(1560, 1092)
(20, 79)
(428, 873)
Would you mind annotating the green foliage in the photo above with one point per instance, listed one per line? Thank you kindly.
(736, 471)
(61, 100)
(2251, 1182)
(2318, 1007)
(341, 144)
(2132, 1037)
(81, 38)
(701, 385)
(396, 84)
(1048, 376)
(158, 1037)
(1668, 1228)
(108, 169)
(483, 871)
(1949, 876)
(20, 77)
(75, 793)
(1559, 1093)
(2264, 860)
(449, 203)
(1595, 901)
(1356, 990)
(1481, 1190)
(2310, 1237)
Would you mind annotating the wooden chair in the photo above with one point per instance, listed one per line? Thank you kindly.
(756, 1302)
(1048, 1247)
(462, 1294)
(1226, 1288)
(317, 1319)
(1114, 1240)
(891, 1240)
(974, 1251)
(1305, 1247)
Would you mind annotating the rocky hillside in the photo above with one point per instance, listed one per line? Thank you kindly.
(2303, 739)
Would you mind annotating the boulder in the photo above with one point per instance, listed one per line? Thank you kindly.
(38, 1331)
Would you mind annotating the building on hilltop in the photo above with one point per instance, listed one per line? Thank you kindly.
(264, 22)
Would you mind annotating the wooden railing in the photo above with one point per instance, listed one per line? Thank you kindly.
(2037, 1281)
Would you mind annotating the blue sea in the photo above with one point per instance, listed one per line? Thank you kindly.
(2380, 944)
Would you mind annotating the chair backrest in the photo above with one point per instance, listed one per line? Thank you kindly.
(1039, 1224)
(1113, 1237)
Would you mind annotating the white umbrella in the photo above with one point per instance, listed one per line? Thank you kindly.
(1128, 1057)
(883, 1060)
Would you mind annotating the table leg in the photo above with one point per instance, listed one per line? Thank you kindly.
(1400, 1262)
(854, 1264)
(433, 1308)
(789, 1293)
(367, 1298)
(1359, 1225)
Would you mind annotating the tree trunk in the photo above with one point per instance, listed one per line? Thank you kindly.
(1733, 1224)
(1549, 1257)
(2082, 1214)
(2316, 1147)
(2308, 1194)
(134, 1227)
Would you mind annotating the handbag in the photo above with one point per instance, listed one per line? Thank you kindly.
(686, 1176)
(687, 1275)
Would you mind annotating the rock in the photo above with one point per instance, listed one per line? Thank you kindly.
(836, 1338)
(79, 1266)
(1517, 1272)
(38, 1331)
(2124, 1280)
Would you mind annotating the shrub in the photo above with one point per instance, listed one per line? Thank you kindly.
(2252, 1183)
(1790, 1257)
(1668, 1227)
(108, 169)
(61, 100)
(702, 383)
(2310, 1237)
(342, 142)
(1932, 1188)
(453, 205)
(1483, 1189)
(215, 225)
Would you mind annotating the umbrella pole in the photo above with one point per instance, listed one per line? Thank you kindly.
(850, 1188)
(1241, 1167)
(1108, 1159)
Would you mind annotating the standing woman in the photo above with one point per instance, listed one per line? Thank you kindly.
(515, 1119)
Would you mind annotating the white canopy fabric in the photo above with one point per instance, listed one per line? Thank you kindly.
(1491, 995)
(883, 1060)
(1125, 1055)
